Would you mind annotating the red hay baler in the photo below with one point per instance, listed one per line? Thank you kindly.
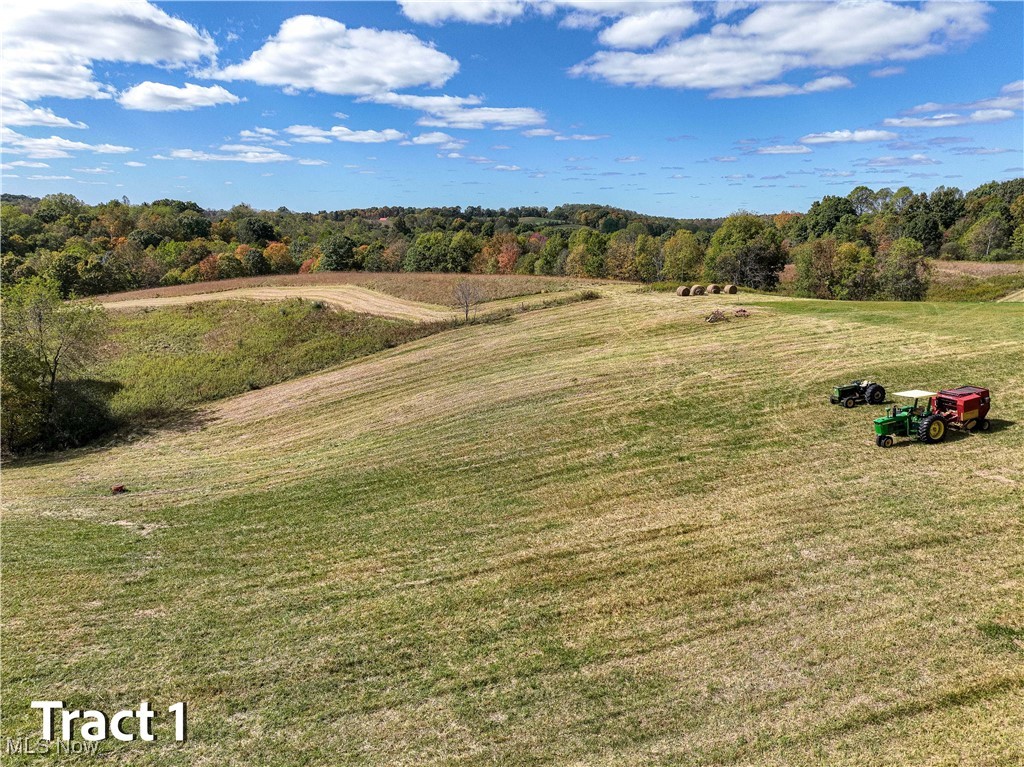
(964, 408)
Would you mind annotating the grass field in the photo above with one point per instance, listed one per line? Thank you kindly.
(607, 533)
(420, 287)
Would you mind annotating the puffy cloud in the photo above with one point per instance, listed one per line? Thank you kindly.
(53, 147)
(158, 97)
(229, 153)
(783, 149)
(775, 90)
(476, 12)
(778, 38)
(321, 54)
(647, 29)
(950, 119)
(506, 167)
(437, 138)
(50, 45)
(17, 112)
(582, 137)
(461, 112)
(537, 132)
(308, 134)
(848, 136)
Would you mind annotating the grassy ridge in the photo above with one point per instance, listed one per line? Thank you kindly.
(608, 533)
(177, 357)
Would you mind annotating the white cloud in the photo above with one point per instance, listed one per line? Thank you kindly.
(53, 147)
(848, 136)
(784, 149)
(17, 112)
(49, 178)
(887, 71)
(950, 119)
(647, 29)
(24, 164)
(50, 45)
(158, 97)
(896, 162)
(725, 158)
(229, 153)
(437, 138)
(775, 90)
(582, 137)
(93, 171)
(476, 12)
(506, 167)
(134, 164)
(308, 134)
(461, 112)
(538, 132)
(321, 54)
(630, 158)
(777, 38)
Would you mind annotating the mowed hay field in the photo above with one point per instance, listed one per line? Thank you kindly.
(606, 533)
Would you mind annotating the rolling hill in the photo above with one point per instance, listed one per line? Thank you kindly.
(606, 533)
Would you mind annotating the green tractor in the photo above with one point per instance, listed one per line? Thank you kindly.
(910, 421)
(858, 393)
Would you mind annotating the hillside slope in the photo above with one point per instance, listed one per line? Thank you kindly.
(606, 533)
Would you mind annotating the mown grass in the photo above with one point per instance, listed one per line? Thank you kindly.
(605, 534)
(429, 288)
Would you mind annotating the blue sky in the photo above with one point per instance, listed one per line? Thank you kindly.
(669, 108)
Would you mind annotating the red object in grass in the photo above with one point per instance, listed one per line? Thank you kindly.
(118, 489)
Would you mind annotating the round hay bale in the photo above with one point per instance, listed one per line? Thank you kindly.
(682, 290)
(712, 289)
(697, 290)
(730, 289)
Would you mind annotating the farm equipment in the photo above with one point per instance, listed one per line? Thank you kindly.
(858, 393)
(910, 421)
(964, 408)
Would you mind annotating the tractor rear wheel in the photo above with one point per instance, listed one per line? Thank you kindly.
(849, 402)
(932, 429)
(874, 394)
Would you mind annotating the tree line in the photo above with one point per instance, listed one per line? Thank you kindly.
(868, 244)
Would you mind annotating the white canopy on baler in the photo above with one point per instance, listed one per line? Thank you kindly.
(914, 394)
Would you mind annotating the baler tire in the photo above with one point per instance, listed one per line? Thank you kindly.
(984, 425)
(932, 429)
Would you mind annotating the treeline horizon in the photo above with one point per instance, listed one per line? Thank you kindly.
(855, 246)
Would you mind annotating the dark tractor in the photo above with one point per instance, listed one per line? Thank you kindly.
(858, 393)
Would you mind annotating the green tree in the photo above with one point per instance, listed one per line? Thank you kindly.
(684, 257)
(253, 230)
(903, 273)
(825, 214)
(46, 345)
(745, 250)
(338, 254)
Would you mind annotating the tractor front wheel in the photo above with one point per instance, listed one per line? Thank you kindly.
(932, 429)
(883, 441)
